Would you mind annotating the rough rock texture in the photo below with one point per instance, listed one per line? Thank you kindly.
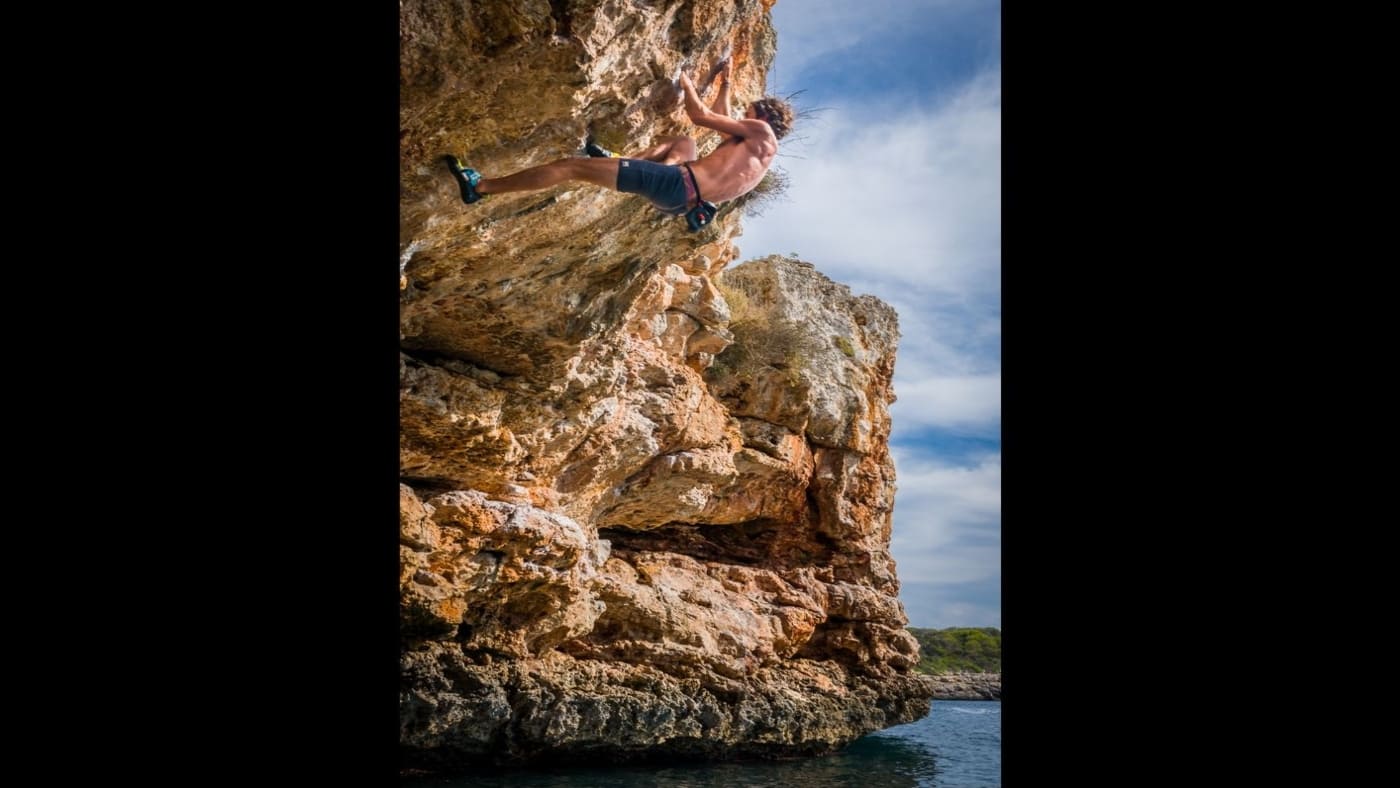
(967, 686)
(644, 512)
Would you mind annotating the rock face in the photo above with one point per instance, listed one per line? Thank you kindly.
(645, 505)
(967, 686)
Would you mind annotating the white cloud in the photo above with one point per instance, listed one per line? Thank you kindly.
(947, 519)
(895, 198)
(948, 401)
(945, 340)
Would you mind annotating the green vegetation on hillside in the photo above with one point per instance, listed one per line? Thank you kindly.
(958, 650)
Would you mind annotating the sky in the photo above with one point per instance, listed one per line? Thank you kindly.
(895, 190)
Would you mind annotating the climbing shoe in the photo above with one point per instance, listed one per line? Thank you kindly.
(596, 152)
(467, 179)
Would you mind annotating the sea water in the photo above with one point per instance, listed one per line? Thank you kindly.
(957, 744)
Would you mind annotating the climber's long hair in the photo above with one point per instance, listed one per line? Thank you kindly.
(777, 112)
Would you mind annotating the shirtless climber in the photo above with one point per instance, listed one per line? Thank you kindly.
(668, 173)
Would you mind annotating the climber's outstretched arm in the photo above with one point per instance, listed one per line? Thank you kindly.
(702, 116)
(720, 106)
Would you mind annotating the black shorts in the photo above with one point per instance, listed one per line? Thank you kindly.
(663, 184)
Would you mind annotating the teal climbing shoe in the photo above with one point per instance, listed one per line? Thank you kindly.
(467, 179)
(592, 149)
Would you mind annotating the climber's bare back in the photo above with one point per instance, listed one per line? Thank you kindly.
(738, 164)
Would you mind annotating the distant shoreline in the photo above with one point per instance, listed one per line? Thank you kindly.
(966, 686)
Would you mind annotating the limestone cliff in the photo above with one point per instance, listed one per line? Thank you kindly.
(645, 505)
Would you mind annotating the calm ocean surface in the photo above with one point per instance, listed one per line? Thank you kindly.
(958, 744)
